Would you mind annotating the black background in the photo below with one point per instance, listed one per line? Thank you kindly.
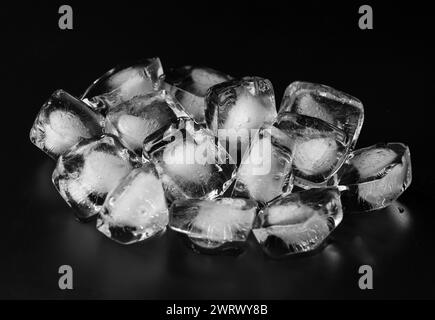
(389, 68)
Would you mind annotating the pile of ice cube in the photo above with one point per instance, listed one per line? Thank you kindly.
(208, 155)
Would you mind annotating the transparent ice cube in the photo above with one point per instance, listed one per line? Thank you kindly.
(136, 209)
(194, 79)
(192, 105)
(236, 109)
(265, 171)
(319, 149)
(375, 176)
(132, 121)
(90, 170)
(123, 83)
(189, 161)
(326, 103)
(298, 222)
(189, 86)
(214, 224)
(62, 122)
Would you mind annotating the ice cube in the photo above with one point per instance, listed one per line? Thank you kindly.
(194, 79)
(189, 161)
(218, 224)
(189, 86)
(319, 149)
(136, 209)
(375, 176)
(192, 105)
(62, 122)
(123, 83)
(265, 171)
(326, 103)
(90, 170)
(298, 222)
(132, 121)
(236, 109)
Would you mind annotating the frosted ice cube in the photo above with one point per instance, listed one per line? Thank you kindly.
(326, 103)
(90, 170)
(123, 83)
(189, 161)
(136, 209)
(265, 171)
(189, 86)
(375, 176)
(62, 122)
(236, 109)
(214, 224)
(298, 222)
(132, 121)
(319, 149)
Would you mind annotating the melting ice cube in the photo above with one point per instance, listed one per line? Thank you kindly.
(236, 109)
(188, 160)
(123, 83)
(189, 86)
(298, 222)
(136, 209)
(90, 170)
(214, 224)
(375, 176)
(326, 103)
(319, 148)
(265, 171)
(62, 122)
(132, 121)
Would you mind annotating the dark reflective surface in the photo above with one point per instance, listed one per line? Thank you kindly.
(388, 68)
(398, 245)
